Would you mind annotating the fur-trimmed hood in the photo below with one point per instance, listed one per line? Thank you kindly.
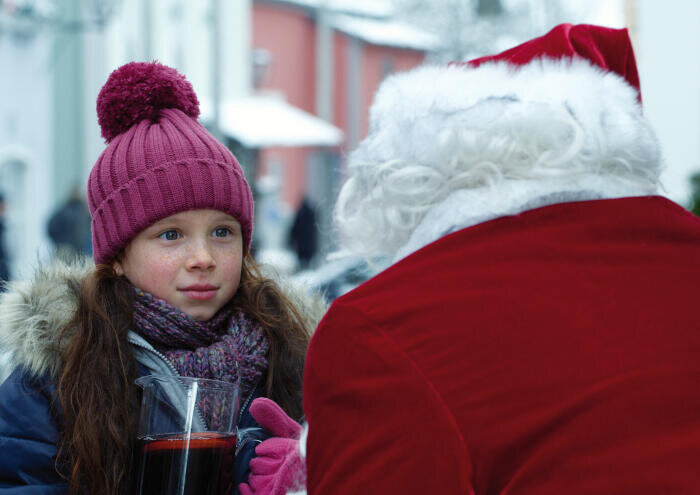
(33, 312)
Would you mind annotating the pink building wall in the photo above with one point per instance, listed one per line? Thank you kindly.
(375, 60)
(340, 78)
(289, 34)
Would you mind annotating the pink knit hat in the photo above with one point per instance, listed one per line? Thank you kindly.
(159, 159)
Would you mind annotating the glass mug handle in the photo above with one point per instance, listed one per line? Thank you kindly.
(247, 435)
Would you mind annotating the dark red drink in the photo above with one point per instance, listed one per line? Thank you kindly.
(199, 465)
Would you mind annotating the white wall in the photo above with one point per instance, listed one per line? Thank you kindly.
(26, 145)
(668, 39)
(178, 33)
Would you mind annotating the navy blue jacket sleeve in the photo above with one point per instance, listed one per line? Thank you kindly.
(28, 437)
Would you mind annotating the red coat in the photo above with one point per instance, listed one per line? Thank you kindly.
(552, 352)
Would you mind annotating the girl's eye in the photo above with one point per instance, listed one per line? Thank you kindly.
(222, 232)
(170, 235)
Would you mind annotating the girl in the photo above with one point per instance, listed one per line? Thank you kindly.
(174, 290)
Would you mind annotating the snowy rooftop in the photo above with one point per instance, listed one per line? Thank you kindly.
(371, 8)
(371, 21)
(263, 121)
(385, 32)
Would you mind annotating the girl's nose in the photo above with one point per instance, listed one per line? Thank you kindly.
(200, 257)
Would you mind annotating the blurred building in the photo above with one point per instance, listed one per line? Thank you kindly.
(327, 57)
(286, 84)
(61, 52)
(29, 115)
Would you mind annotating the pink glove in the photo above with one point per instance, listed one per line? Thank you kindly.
(278, 466)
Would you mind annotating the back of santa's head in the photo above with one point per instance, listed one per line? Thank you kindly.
(563, 109)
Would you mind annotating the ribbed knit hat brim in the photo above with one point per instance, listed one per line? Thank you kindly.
(157, 169)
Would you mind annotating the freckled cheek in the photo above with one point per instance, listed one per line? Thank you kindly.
(162, 268)
(232, 269)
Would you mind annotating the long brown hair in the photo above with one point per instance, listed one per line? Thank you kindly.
(96, 388)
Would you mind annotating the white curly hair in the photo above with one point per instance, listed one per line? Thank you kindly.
(436, 130)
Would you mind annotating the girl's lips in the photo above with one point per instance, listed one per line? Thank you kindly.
(200, 292)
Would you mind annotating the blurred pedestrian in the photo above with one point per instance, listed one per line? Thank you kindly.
(173, 291)
(538, 331)
(69, 226)
(4, 262)
(303, 235)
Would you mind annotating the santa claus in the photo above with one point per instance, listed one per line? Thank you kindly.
(537, 331)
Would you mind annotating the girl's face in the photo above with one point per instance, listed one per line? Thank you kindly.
(191, 260)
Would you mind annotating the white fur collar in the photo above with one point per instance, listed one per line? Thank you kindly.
(33, 312)
(466, 207)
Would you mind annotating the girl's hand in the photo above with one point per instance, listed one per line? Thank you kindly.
(279, 466)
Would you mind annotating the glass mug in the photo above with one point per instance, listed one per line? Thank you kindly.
(186, 436)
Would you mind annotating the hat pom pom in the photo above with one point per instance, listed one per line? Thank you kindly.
(138, 91)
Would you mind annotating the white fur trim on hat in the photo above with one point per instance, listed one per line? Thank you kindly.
(411, 110)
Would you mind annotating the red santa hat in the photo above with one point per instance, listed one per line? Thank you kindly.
(609, 49)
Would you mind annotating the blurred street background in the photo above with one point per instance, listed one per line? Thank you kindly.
(287, 85)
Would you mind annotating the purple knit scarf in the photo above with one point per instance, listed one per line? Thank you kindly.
(223, 348)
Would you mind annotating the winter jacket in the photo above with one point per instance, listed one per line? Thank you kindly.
(554, 351)
(31, 315)
(29, 459)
